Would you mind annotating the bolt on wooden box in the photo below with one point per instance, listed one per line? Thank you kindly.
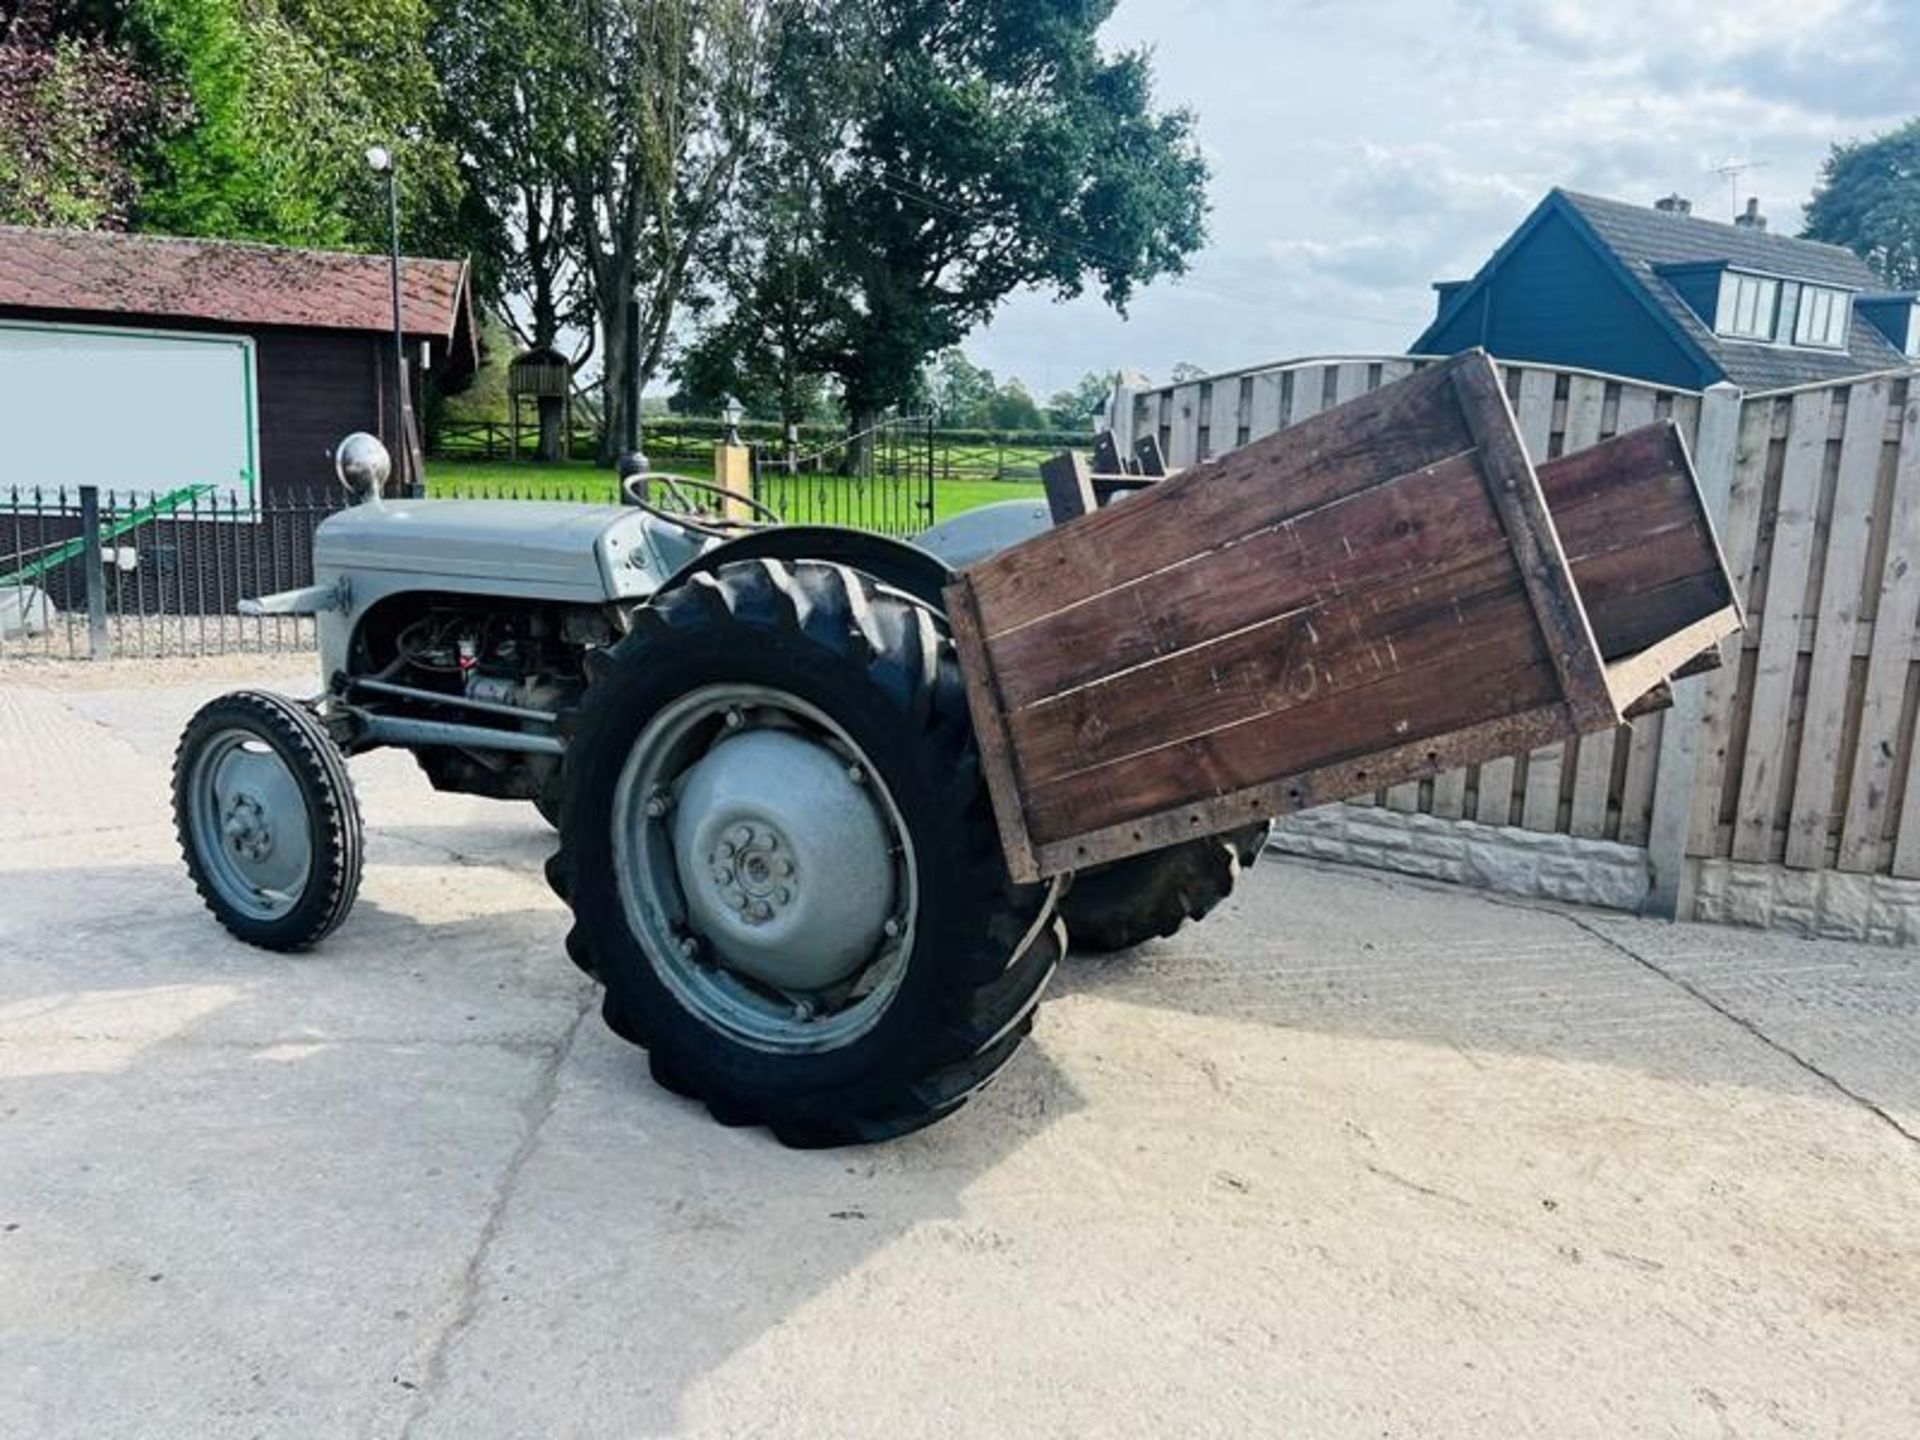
(1375, 595)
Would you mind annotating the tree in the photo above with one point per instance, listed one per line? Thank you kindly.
(666, 92)
(1186, 370)
(960, 391)
(954, 153)
(1012, 408)
(509, 65)
(1868, 199)
(76, 111)
(1073, 409)
(285, 96)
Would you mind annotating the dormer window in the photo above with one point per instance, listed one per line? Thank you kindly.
(1782, 312)
(1748, 306)
(1823, 317)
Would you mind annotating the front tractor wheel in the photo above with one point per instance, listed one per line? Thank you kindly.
(782, 862)
(267, 819)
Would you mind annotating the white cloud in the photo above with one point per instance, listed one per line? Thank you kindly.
(1362, 151)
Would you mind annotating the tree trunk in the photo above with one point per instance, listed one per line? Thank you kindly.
(554, 439)
(613, 371)
(859, 457)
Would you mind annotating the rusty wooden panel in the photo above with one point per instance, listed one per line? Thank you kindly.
(1292, 660)
(1496, 673)
(1418, 522)
(1391, 432)
(1365, 599)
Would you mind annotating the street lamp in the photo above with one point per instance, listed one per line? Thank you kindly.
(731, 411)
(380, 160)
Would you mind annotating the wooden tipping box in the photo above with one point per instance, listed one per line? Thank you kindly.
(1377, 594)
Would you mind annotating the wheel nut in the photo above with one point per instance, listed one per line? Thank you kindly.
(658, 804)
(857, 775)
(721, 874)
(736, 898)
(735, 719)
(891, 929)
(783, 868)
(741, 835)
(782, 896)
(690, 947)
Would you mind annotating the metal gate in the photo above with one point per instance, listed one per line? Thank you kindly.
(880, 479)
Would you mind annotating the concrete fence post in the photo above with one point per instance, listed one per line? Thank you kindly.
(95, 569)
(1716, 454)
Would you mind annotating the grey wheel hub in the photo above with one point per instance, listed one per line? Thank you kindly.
(765, 868)
(250, 824)
(783, 858)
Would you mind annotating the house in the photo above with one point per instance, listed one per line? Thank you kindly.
(155, 363)
(1660, 294)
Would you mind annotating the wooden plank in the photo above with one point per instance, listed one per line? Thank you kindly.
(1298, 792)
(1637, 786)
(1399, 529)
(1450, 787)
(1309, 390)
(1636, 408)
(1265, 417)
(1533, 413)
(1592, 777)
(1450, 794)
(989, 725)
(1147, 459)
(1350, 381)
(1502, 674)
(1849, 532)
(1404, 797)
(1183, 443)
(1634, 676)
(1298, 658)
(1740, 538)
(1107, 459)
(1068, 481)
(1888, 660)
(1390, 433)
(1772, 693)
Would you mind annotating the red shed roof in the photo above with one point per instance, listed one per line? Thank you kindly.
(229, 282)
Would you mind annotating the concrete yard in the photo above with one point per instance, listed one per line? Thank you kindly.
(1358, 1157)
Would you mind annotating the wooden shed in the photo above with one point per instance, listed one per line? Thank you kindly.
(148, 361)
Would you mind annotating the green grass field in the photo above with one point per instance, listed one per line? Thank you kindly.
(582, 480)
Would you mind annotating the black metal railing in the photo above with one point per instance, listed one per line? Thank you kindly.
(89, 573)
(881, 479)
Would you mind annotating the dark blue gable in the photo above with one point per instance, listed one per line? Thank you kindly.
(1554, 297)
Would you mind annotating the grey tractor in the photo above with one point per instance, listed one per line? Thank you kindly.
(754, 743)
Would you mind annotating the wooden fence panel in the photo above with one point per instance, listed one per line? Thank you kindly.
(1817, 773)
(1805, 735)
(1740, 540)
(1771, 698)
(1889, 656)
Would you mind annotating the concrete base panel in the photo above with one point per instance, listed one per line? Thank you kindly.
(1512, 861)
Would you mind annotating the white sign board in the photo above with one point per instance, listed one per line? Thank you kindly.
(139, 410)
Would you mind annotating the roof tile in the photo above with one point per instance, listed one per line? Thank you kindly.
(233, 282)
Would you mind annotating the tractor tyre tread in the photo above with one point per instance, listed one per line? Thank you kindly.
(981, 969)
(335, 833)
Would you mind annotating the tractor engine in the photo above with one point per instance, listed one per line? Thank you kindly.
(487, 661)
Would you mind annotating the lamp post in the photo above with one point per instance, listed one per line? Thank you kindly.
(731, 412)
(381, 161)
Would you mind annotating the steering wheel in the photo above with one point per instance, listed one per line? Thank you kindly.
(674, 482)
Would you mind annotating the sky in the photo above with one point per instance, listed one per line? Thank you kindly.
(1362, 150)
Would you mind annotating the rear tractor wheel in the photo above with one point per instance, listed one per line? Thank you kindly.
(782, 863)
(1149, 897)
